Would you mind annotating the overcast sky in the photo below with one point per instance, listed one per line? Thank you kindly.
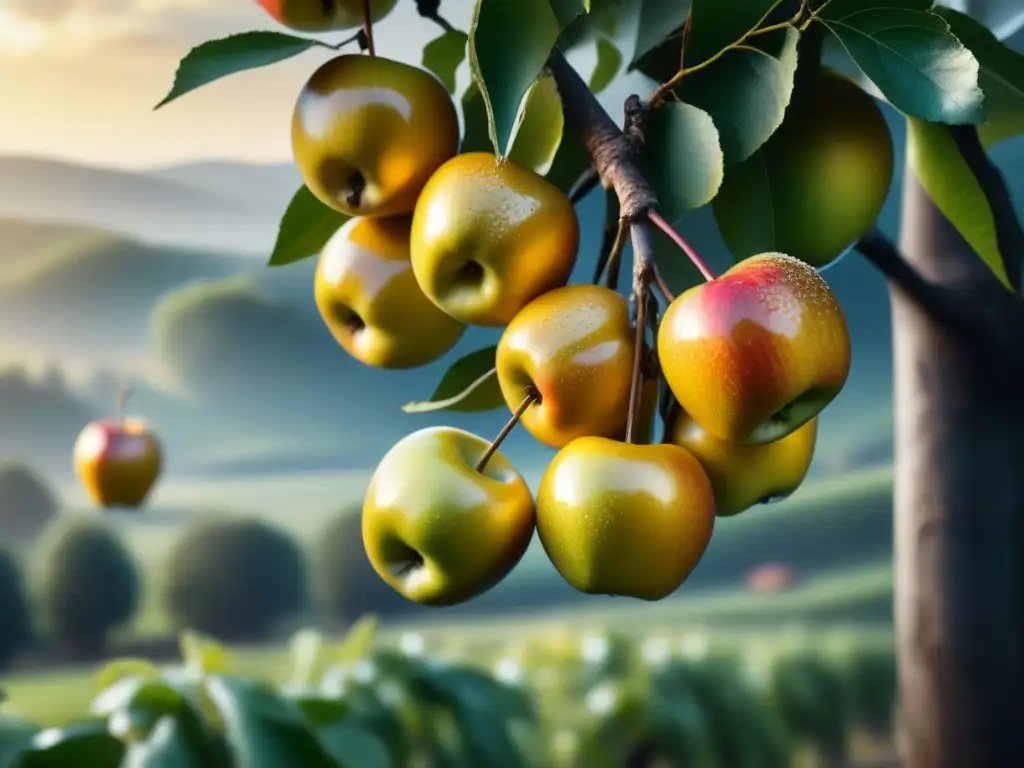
(79, 78)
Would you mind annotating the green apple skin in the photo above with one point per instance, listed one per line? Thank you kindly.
(625, 519)
(437, 530)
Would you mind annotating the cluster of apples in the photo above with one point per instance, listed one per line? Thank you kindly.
(439, 240)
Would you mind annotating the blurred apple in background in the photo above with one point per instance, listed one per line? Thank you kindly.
(118, 460)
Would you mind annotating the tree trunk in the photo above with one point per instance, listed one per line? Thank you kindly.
(958, 509)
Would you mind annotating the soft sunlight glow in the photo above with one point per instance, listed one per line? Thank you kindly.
(20, 36)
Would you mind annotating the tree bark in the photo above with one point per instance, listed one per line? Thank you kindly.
(958, 509)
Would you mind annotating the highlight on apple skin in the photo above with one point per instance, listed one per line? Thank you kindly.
(741, 475)
(758, 352)
(436, 529)
(118, 462)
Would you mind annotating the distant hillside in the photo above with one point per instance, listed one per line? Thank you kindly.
(91, 292)
(200, 209)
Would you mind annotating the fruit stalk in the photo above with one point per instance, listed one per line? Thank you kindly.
(611, 271)
(123, 395)
(368, 26)
(643, 262)
(679, 240)
(532, 396)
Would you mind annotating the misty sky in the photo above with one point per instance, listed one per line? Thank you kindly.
(79, 78)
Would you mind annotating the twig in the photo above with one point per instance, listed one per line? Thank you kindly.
(615, 255)
(659, 94)
(429, 9)
(532, 396)
(368, 25)
(1009, 232)
(611, 229)
(584, 185)
(659, 280)
(679, 240)
(612, 153)
(643, 262)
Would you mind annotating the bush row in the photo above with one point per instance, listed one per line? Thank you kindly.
(357, 705)
(234, 578)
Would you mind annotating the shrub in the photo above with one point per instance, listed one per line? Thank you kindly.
(27, 505)
(234, 578)
(15, 622)
(89, 585)
(345, 585)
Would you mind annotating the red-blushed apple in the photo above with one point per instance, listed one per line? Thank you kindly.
(744, 475)
(118, 461)
(324, 15)
(758, 352)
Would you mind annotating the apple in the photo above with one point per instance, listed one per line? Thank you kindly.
(755, 354)
(436, 529)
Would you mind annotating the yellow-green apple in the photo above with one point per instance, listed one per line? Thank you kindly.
(574, 347)
(118, 461)
(758, 352)
(490, 236)
(436, 529)
(368, 132)
(623, 519)
(325, 15)
(830, 164)
(744, 475)
(370, 301)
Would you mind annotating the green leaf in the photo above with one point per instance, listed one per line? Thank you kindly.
(471, 384)
(15, 736)
(717, 24)
(509, 44)
(536, 142)
(305, 228)
(933, 155)
(264, 729)
(170, 745)
(219, 58)
(567, 11)
(914, 60)
(683, 158)
(73, 746)
(475, 134)
(609, 61)
(358, 641)
(204, 655)
(354, 747)
(655, 20)
(601, 21)
(1001, 77)
(571, 160)
(124, 668)
(746, 91)
(444, 55)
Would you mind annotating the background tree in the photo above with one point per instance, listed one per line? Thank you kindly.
(235, 579)
(88, 585)
(15, 617)
(27, 505)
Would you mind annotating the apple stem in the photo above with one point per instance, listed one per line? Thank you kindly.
(532, 396)
(368, 26)
(678, 239)
(643, 273)
(659, 280)
(122, 400)
(611, 269)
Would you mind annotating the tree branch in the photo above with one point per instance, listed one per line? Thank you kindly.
(974, 323)
(613, 155)
(1009, 231)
